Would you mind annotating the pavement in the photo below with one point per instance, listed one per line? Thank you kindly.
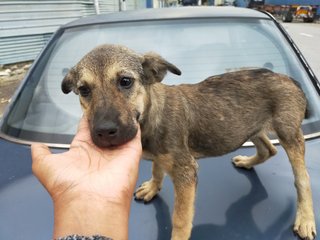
(307, 38)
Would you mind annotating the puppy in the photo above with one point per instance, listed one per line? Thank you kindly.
(120, 89)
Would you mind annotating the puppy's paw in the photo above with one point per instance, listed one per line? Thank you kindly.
(242, 161)
(147, 191)
(305, 228)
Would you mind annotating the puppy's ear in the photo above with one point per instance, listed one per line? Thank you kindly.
(155, 68)
(69, 82)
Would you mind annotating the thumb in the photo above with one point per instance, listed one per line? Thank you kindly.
(39, 152)
(83, 133)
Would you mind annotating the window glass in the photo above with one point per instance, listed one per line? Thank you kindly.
(199, 48)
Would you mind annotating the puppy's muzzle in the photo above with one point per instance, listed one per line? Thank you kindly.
(107, 131)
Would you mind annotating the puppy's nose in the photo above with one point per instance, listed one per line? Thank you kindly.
(107, 130)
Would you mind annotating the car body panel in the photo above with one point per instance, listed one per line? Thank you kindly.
(169, 13)
(231, 203)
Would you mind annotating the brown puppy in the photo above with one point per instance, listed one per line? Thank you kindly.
(120, 89)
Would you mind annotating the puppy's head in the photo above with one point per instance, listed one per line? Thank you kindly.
(111, 82)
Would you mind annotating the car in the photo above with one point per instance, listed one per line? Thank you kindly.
(231, 203)
(300, 12)
(305, 12)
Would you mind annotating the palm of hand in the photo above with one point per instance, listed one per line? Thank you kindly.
(88, 170)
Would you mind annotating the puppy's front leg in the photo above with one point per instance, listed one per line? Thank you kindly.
(185, 182)
(150, 188)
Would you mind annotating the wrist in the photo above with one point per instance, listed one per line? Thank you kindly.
(91, 215)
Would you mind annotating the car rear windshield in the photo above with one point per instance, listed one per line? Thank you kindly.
(199, 47)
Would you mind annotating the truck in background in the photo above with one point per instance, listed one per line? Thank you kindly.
(289, 10)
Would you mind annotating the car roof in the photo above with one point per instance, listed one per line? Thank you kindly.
(168, 13)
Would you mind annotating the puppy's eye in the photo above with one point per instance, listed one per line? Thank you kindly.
(84, 91)
(126, 82)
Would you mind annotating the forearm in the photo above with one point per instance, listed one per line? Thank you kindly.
(89, 217)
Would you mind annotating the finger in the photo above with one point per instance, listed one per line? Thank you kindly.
(138, 136)
(136, 143)
(83, 124)
(38, 153)
(83, 133)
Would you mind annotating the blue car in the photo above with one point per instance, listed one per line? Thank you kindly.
(231, 203)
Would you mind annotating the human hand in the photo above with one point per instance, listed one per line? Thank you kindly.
(89, 178)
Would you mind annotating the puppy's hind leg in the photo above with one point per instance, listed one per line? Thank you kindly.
(265, 150)
(150, 188)
(304, 224)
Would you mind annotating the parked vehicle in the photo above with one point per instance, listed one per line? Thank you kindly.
(287, 10)
(287, 14)
(305, 12)
(202, 41)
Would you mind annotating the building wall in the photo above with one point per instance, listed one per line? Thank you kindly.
(26, 25)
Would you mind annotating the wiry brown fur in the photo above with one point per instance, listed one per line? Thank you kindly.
(182, 123)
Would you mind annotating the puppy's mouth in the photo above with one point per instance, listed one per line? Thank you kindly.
(113, 137)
